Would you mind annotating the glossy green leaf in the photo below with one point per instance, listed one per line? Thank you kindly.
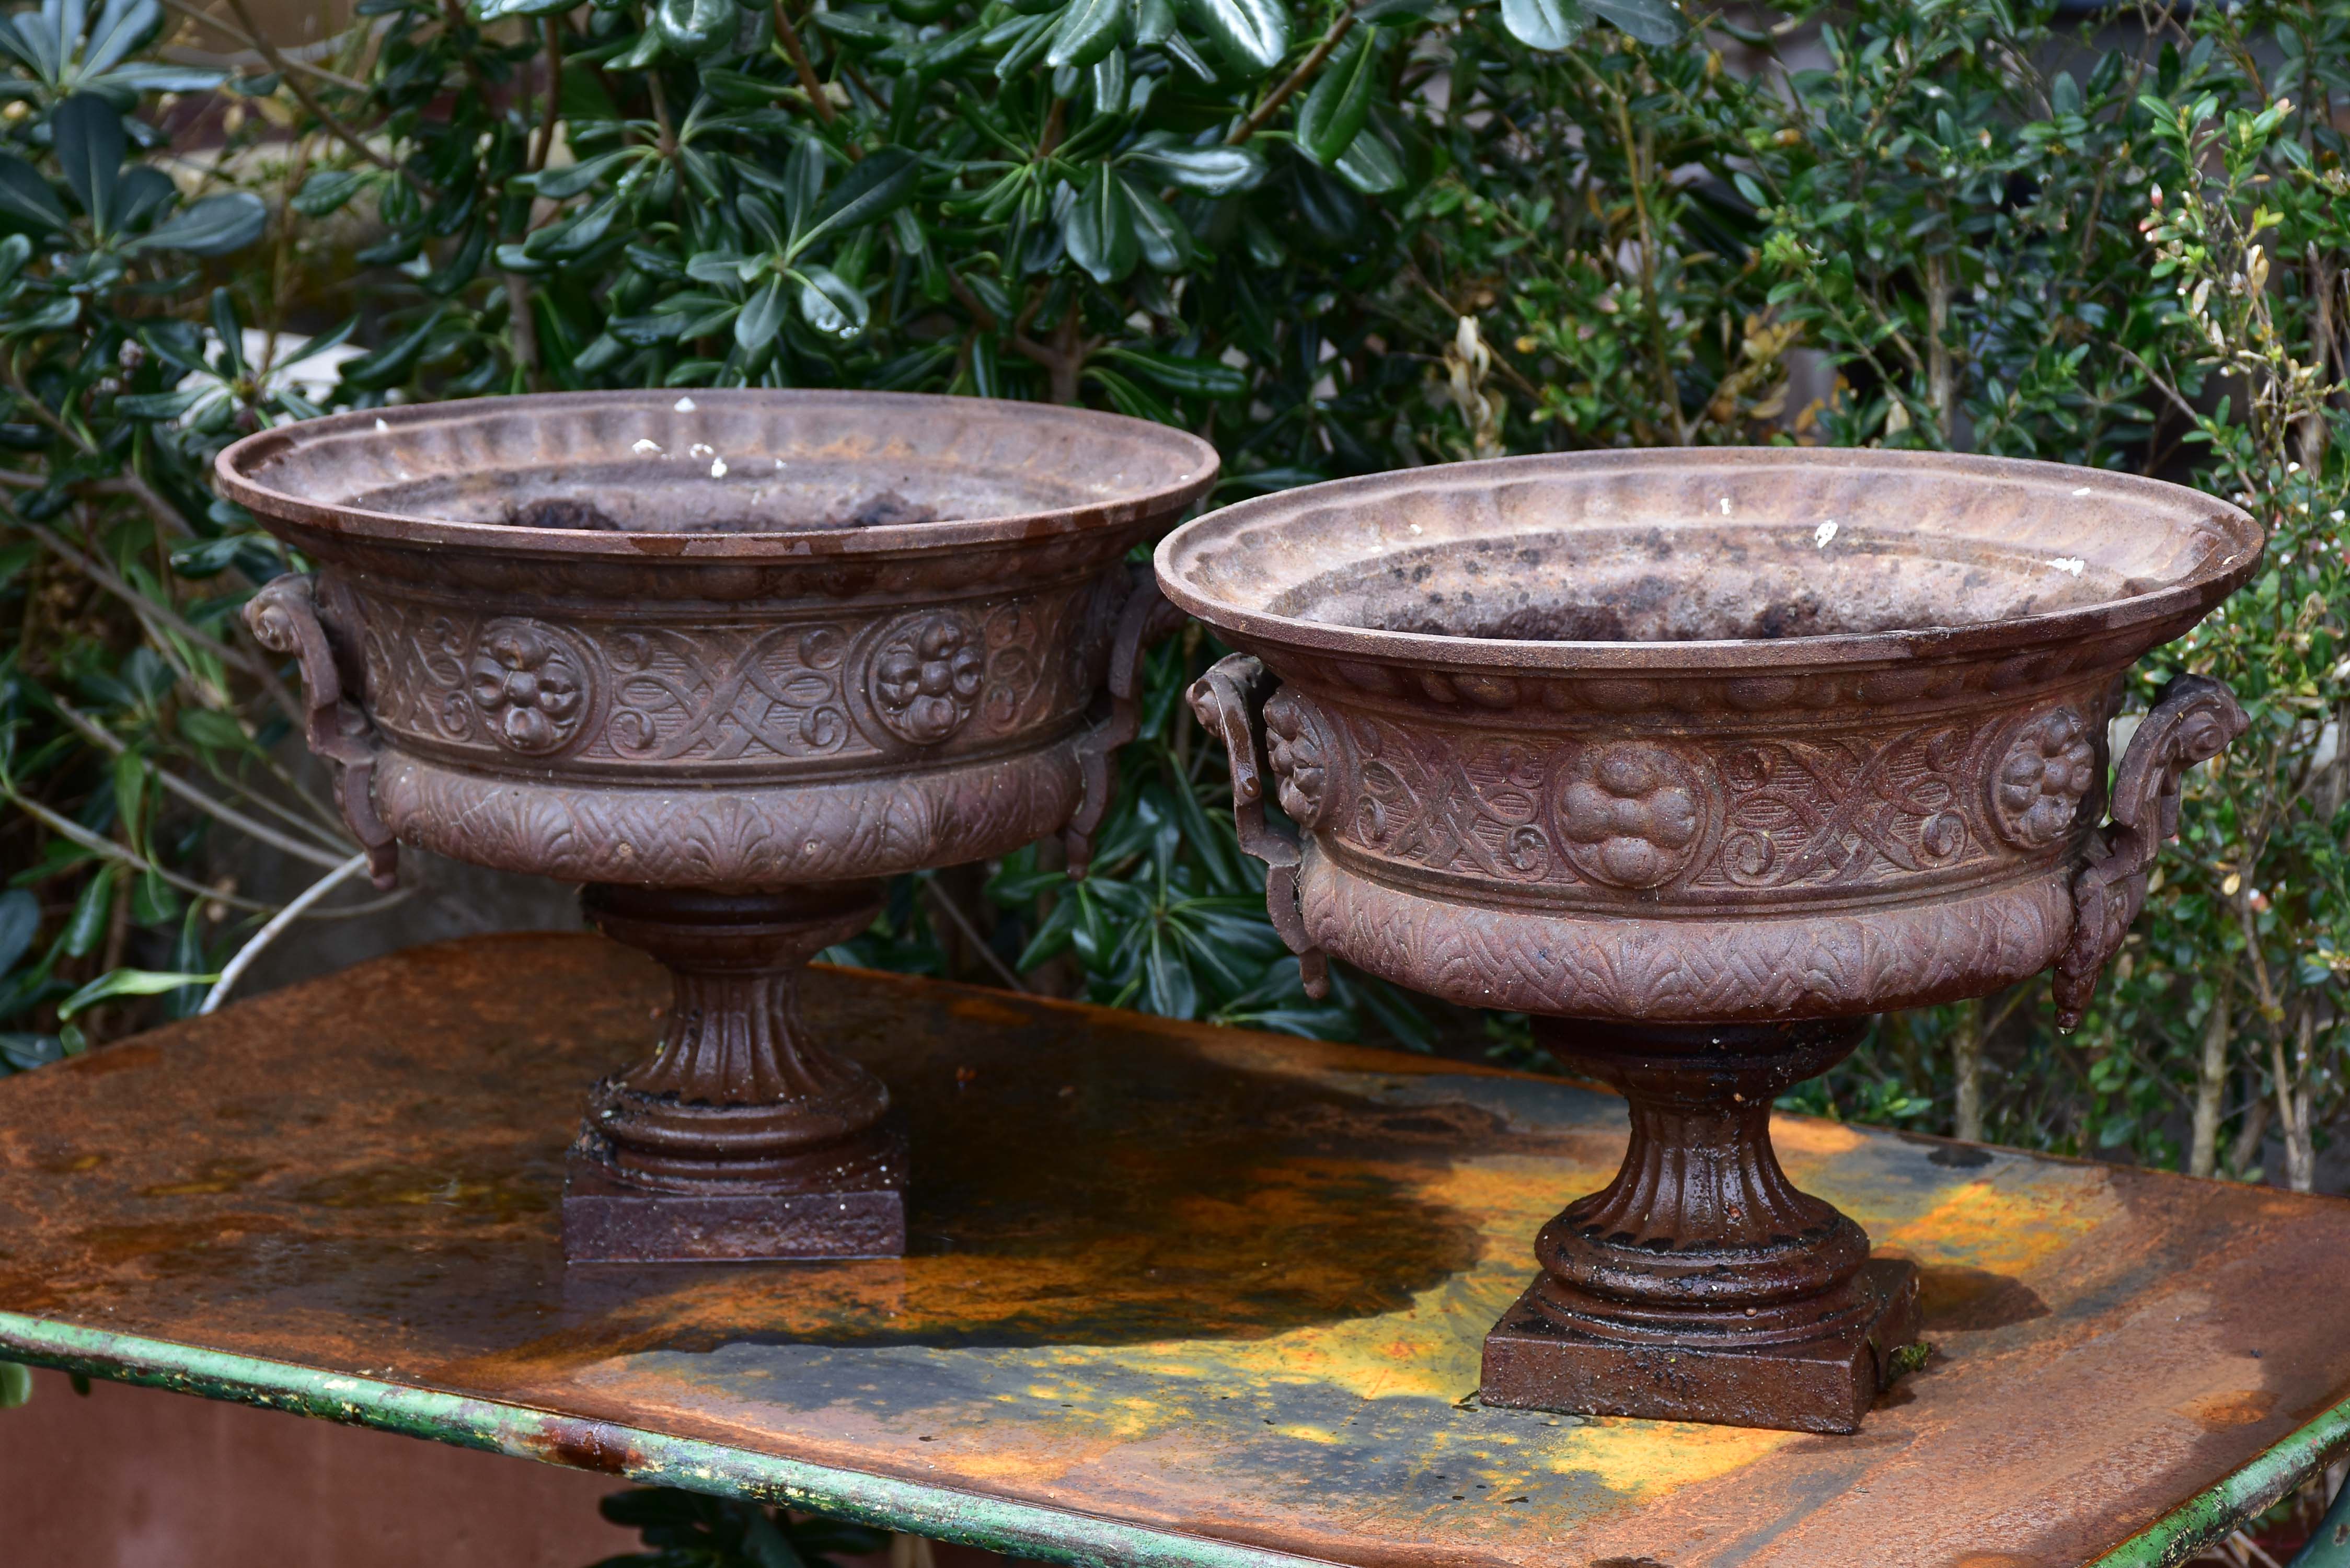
(212, 227)
(1649, 21)
(1253, 34)
(120, 27)
(1088, 30)
(1151, 23)
(85, 926)
(20, 922)
(1340, 99)
(90, 145)
(1545, 23)
(761, 318)
(803, 184)
(883, 181)
(1186, 375)
(1165, 242)
(1027, 47)
(831, 304)
(1370, 165)
(386, 365)
(1205, 170)
(27, 197)
(1099, 228)
(560, 184)
(698, 29)
(326, 190)
(127, 982)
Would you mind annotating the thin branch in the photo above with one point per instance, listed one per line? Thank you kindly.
(97, 844)
(332, 78)
(961, 923)
(1262, 115)
(146, 606)
(196, 797)
(277, 923)
(544, 145)
(788, 35)
(326, 117)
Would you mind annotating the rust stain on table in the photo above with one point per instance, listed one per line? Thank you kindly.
(1218, 1294)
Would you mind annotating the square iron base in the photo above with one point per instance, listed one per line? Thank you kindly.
(1823, 1384)
(609, 1220)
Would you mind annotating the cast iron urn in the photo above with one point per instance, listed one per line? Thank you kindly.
(728, 658)
(1701, 759)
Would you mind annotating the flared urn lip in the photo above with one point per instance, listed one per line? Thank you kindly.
(1146, 473)
(1283, 543)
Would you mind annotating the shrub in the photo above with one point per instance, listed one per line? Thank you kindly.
(1331, 238)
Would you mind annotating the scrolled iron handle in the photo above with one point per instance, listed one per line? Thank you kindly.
(1229, 700)
(1144, 619)
(2193, 722)
(284, 617)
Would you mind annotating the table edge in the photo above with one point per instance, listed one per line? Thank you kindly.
(1036, 1530)
(941, 1512)
(2210, 1514)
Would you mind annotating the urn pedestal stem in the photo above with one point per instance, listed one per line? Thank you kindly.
(1700, 1283)
(741, 1136)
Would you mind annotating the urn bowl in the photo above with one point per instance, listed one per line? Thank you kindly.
(1737, 735)
(724, 639)
(730, 658)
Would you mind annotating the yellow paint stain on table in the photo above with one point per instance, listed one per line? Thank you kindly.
(2007, 1224)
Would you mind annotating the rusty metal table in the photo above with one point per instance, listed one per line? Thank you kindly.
(1179, 1294)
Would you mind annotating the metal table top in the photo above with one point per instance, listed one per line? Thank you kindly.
(1179, 1294)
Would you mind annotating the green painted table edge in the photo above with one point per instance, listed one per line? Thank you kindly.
(943, 1513)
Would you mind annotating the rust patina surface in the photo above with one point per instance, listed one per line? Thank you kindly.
(1175, 1294)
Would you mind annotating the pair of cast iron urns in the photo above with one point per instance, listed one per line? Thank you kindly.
(1699, 757)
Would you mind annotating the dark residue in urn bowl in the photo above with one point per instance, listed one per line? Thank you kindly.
(1730, 547)
(714, 463)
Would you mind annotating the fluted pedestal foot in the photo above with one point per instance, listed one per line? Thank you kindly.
(1700, 1285)
(741, 1138)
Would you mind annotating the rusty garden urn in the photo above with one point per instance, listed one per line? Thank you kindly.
(729, 660)
(1703, 759)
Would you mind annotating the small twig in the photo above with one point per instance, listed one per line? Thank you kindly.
(544, 147)
(788, 35)
(335, 128)
(1262, 115)
(97, 844)
(133, 484)
(277, 923)
(372, 906)
(147, 606)
(961, 923)
(196, 797)
(332, 78)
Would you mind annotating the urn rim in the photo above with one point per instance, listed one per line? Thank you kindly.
(1173, 468)
(1183, 557)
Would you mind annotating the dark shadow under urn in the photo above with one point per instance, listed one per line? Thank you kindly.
(728, 660)
(1703, 759)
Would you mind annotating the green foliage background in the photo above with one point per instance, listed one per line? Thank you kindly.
(1333, 237)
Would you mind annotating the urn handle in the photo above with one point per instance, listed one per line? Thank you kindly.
(1229, 702)
(2193, 722)
(284, 617)
(1144, 617)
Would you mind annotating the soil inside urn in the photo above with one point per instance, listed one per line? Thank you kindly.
(702, 492)
(1652, 585)
(875, 511)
